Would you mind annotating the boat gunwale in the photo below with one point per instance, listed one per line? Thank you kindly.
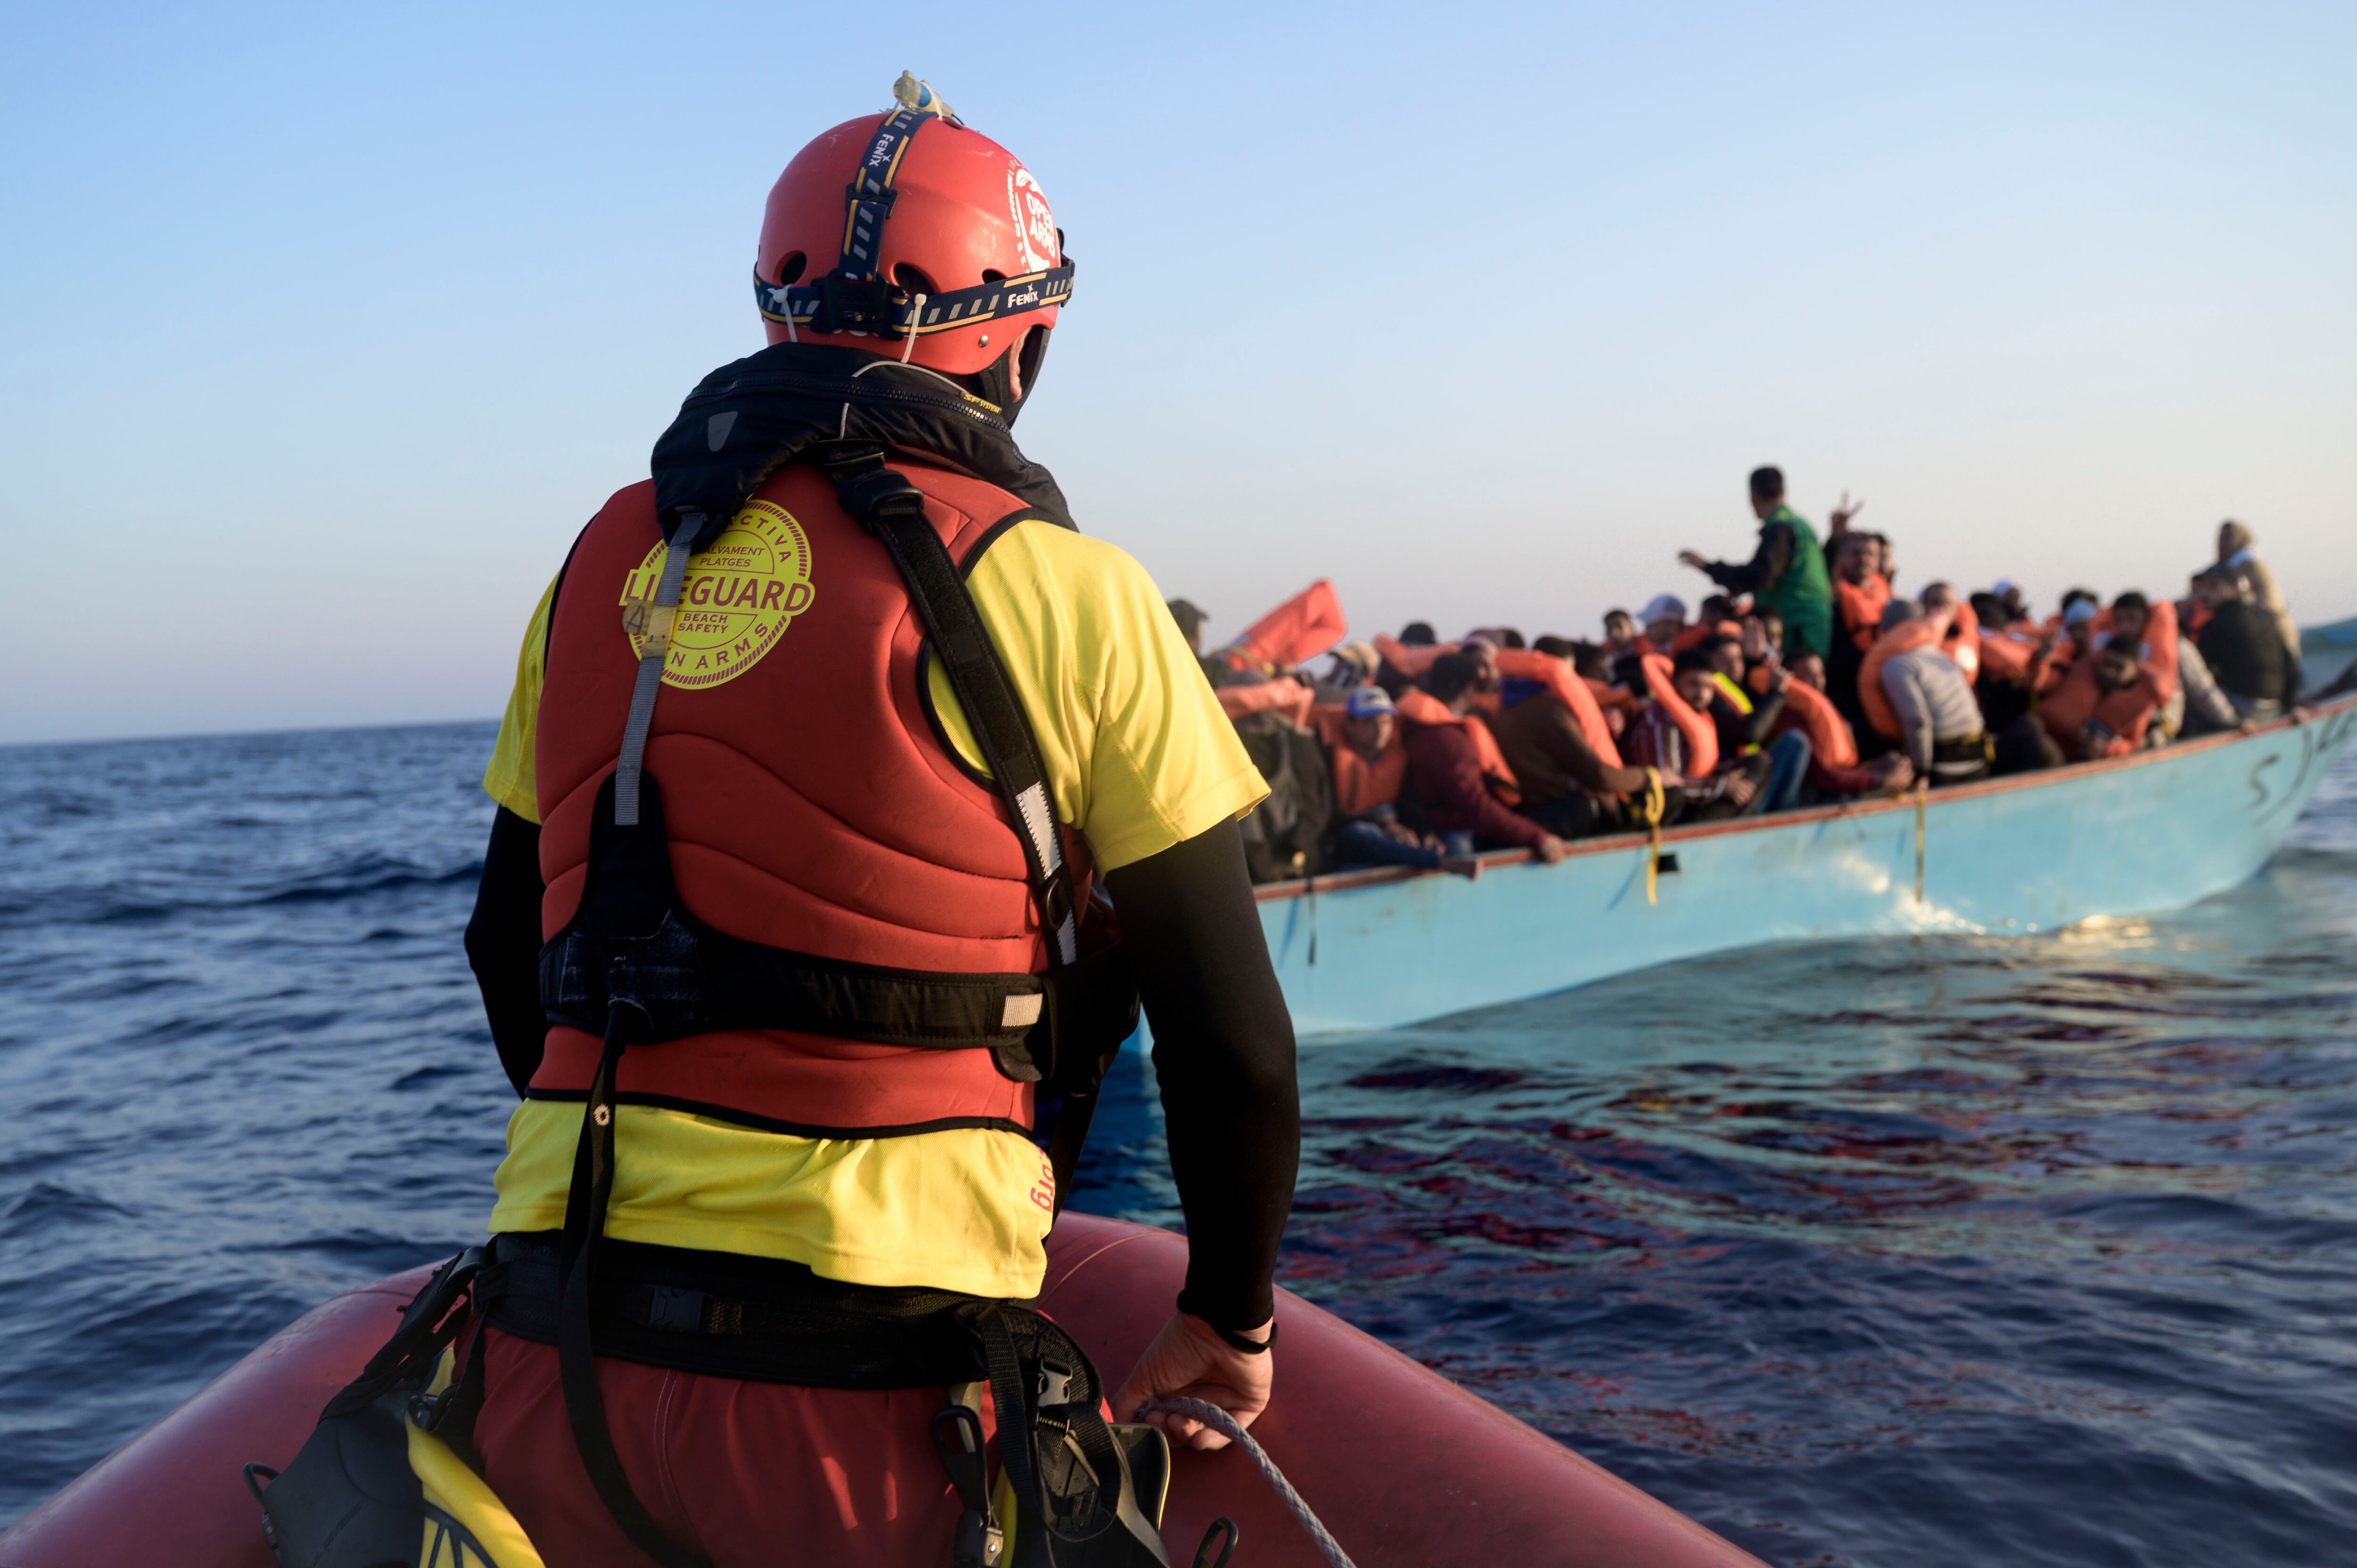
(1379, 875)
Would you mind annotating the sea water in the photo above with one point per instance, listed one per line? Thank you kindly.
(1895, 1251)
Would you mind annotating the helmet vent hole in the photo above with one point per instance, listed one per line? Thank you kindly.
(991, 275)
(792, 268)
(914, 280)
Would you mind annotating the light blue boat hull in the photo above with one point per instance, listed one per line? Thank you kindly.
(2132, 836)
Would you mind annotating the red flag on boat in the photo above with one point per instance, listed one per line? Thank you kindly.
(1302, 627)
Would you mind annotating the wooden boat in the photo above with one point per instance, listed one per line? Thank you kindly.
(2128, 836)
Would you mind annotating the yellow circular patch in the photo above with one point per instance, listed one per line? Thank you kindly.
(739, 594)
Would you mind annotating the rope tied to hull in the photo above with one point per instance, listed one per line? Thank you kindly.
(1224, 1424)
(1657, 803)
(1922, 799)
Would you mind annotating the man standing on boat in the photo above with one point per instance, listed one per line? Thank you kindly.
(820, 743)
(1786, 573)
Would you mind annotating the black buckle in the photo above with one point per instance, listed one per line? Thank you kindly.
(869, 490)
(852, 304)
(667, 1307)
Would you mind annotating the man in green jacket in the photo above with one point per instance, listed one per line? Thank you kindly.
(1786, 573)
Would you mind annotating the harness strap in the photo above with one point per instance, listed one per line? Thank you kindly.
(1013, 1404)
(888, 506)
(584, 1228)
(650, 621)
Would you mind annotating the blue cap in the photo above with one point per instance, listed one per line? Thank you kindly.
(1366, 702)
(2080, 611)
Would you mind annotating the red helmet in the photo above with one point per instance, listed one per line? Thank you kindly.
(911, 227)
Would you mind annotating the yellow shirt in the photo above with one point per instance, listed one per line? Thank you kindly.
(1139, 758)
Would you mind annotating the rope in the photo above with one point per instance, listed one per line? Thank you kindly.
(1657, 802)
(1922, 797)
(1224, 1424)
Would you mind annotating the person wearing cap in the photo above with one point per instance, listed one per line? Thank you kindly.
(1663, 618)
(2069, 638)
(1355, 665)
(1787, 570)
(1362, 737)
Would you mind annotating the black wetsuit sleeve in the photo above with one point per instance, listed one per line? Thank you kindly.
(1224, 1051)
(1767, 566)
(503, 945)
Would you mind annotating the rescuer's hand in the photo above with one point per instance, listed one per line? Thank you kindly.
(1189, 1360)
(1551, 849)
(1695, 559)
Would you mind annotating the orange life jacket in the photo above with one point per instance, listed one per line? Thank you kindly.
(1410, 663)
(810, 805)
(1830, 740)
(1360, 782)
(2128, 712)
(1859, 607)
(1701, 735)
(2005, 654)
(1963, 643)
(1302, 627)
(1288, 696)
(1556, 676)
(1871, 697)
(2159, 652)
(1423, 708)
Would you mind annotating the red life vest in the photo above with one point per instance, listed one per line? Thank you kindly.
(811, 805)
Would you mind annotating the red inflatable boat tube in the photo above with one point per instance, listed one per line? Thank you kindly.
(1403, 1466)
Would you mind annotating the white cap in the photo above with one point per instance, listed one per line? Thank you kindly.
(1662, 606)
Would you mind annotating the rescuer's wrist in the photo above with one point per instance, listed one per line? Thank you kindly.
(1231, 1318)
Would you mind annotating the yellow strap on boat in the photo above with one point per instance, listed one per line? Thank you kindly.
(1922, 799)
(1657, 802)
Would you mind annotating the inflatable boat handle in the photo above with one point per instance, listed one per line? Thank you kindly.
(1224, 1424)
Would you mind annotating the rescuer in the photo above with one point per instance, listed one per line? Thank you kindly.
(814, 832)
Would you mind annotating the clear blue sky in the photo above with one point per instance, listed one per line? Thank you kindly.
(325, 331)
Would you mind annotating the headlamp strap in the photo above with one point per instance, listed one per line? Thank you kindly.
(857, 297)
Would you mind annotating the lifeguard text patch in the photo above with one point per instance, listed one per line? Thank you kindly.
(738, 596)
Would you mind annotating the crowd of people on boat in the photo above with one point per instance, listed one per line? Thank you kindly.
(1808, 677)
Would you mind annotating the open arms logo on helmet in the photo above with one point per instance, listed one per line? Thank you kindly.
(1035, 226)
